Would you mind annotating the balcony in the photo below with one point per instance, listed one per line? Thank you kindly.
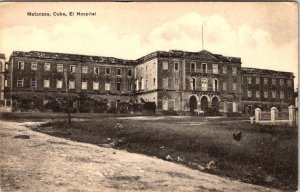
(207, 73)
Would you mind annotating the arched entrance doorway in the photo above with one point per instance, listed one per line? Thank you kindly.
(204, 103)
(215, 103)
(193, 103)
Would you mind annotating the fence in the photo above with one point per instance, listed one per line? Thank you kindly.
(276, 117)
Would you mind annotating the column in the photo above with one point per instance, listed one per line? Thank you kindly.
(274, 112)
(292, 115)
(257, 114)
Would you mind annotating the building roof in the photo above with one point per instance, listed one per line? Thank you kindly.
(2, 56)
(247, 70)
(72, 57)
(203, 54)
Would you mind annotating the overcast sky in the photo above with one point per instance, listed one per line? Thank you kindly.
(264, 35)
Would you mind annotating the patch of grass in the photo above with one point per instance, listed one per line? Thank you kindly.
(266, 155)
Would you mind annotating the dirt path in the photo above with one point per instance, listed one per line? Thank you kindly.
(46, 163)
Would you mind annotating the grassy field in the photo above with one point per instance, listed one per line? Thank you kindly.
(265, 155)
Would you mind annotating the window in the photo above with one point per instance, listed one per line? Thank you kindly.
(118, 86)
(47, 67)
(85, 69)
(281, 82)
(176, 104)
(119, 71)
(95, 85)
(165, 83)
(249, 93)
(257, 80)
(153, 81)
(176, 66)
(20, 82)
(107, 86)
(266, 81)
(5, 83)
(273, 94)
(129, 72)
(193, 84)
(107, 71)
(71, 84)
(265, 94)
(146, 84)
(33, 82)
(60, 68)
(46, 83)
(257, 94)
(215, 69)
(33, 66)
(289, 82)
(59, 84)
(204, 67)
(21, 65)
(165, 103)
(204, 84)
(215, 85)
(281, 95)
(6, 66)
(224, 86)
(249, 79)
(234, 87)
(96, 70)
(141, 84)
(176, 83)
(136, 85)
(84, 85)
(72, 68)
(224, 69)
(273, 81)
(165, 65)
(129, 86)
(193, 67)
(234, 71)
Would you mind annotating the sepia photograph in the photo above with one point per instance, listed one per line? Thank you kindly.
(149, 96)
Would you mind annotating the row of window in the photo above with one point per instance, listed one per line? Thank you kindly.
(60, 68)
(204, 83)
(203, 69)
(266, 80)
(266, 94)
(59, 84)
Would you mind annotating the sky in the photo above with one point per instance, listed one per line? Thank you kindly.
(263, 34)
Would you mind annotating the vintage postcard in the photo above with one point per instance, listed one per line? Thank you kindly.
(149, 96)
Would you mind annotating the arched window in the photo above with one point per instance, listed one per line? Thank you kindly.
(165, 103)
(193, 84)
(177, 104)
(204, 84)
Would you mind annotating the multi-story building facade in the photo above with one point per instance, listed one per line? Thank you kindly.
(187, 81)
(174, 80)
(41, 75)
(266, 88)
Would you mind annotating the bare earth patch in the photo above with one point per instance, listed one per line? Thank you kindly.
(46, 163)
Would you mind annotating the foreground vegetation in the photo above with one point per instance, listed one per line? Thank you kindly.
(265, 155)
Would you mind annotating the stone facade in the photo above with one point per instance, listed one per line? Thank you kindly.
(175, 80)
(43, 75)
(264, 89)
(189, 81)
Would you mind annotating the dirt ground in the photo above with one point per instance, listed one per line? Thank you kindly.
(32, 161)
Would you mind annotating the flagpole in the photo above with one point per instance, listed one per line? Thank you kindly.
(202, 38)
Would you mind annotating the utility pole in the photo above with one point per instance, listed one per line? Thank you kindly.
(68, 98)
